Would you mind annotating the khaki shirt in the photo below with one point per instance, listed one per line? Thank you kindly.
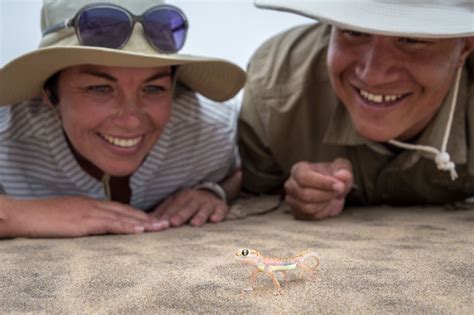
(290, 114)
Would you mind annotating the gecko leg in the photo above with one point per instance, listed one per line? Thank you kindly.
(309, 270)
(284, 275)
(275, 282)
(253, 279)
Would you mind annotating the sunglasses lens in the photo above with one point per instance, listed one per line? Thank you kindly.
(166, 28)
(104, 27)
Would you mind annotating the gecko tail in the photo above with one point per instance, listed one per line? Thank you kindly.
(312, 254)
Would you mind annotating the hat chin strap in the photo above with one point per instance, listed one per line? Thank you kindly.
(442, 158)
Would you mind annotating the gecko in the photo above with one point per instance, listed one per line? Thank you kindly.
(271, 264)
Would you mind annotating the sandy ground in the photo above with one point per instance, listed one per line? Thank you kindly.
(373, 260)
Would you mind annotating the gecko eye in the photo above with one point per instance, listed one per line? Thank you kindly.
(245, 252)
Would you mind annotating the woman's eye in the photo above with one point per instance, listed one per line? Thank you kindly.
(100, 89)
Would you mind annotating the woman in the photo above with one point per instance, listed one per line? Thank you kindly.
(104, 121)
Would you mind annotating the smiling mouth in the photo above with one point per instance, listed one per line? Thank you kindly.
(381, 99)
(121, 142)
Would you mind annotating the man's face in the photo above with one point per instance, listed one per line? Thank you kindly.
(392, 86)
(114, 116)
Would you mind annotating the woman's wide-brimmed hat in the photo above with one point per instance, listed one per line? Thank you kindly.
(410, 18)
(23, 78)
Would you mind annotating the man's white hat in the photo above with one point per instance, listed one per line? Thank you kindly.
(410, 18)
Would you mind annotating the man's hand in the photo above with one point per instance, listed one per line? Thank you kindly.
(193, 206)
(316, 191)
(72, 217)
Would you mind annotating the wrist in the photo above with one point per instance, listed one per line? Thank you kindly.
(214, 188)
(5, 219)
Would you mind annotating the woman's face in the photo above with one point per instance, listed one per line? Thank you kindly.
(113, 116)
(392, 86)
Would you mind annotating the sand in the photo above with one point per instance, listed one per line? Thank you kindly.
(374, 260)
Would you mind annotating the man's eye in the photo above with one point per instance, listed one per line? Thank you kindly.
(99, 89)
(154, 89)
(353, 33)
(413, 41)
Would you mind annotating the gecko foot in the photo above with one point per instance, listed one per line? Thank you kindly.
(248, 289)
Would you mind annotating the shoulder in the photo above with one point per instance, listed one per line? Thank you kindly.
(470, 67)
(21, 120)
(194, 110)
(289, 56)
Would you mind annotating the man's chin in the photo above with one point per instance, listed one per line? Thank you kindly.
(377, 135)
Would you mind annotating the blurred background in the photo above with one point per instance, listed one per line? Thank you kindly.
(230, 29)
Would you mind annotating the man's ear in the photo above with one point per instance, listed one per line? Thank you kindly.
(47, 98)
(467, 50)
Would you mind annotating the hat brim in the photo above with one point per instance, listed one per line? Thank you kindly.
(393, 18)
(24, 77)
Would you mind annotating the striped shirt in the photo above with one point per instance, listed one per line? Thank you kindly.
(197, 144)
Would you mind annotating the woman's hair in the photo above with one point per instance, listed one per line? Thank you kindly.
(51, 88)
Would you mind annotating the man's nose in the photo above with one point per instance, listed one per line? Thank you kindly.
(378, 63)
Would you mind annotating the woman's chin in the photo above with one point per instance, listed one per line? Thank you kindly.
(119, 171)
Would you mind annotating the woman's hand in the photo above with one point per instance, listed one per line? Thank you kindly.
(191, 205)
(316, 191)
(72, 217)
(198, 206)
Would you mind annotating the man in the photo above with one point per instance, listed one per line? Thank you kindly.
(106, 121)
(356, 108)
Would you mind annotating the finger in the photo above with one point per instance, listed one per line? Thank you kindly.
(158, 212)
(172, 206)
(323, 214)
(123, 209)
(105, 226)
(346, 177)
(331, 209)
(339, 164)
(304, 209)
(220, 213)
(182, 214)
(310, 195)
(149, 225)
(336, 207)
(106, 217)
(202, 214)
(312, 179)
(157, 226)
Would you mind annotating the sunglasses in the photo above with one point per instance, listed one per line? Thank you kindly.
(110, 26)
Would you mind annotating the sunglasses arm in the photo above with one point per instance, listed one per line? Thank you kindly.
(58, 27)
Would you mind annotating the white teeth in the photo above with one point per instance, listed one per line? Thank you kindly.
(379, 98)
(120, 142)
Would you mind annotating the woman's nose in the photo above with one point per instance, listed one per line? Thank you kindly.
(128, 114)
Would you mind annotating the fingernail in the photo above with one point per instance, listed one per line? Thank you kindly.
(340, 172)
(161, 224)
(338, 187)
(139, 228)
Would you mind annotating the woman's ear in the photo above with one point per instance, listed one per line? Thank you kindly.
(49, 101)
